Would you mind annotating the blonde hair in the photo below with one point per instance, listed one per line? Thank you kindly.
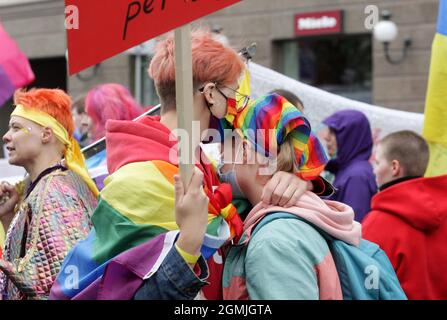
(286, 159)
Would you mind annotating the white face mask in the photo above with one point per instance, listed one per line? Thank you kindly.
(230, 178)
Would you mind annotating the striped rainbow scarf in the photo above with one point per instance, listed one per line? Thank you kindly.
(269, 120)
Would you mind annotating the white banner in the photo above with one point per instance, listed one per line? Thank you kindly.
(320, 104)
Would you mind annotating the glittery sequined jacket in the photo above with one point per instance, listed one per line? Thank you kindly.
(48, 223)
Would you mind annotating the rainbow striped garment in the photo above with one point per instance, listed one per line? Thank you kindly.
(269, 120)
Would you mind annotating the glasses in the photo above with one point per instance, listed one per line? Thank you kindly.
(241, 99)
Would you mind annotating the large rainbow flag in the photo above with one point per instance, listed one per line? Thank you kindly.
(136, 207)
(15, 70)
(435, 122)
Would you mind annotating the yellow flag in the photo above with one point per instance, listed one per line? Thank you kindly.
(244, 85)
(435, 120)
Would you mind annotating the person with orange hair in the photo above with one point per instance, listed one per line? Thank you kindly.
(49, 211)
(137, 203)
(110, 101)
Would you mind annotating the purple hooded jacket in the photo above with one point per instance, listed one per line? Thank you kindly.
(354, 178)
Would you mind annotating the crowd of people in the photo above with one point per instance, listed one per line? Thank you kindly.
(240, 228)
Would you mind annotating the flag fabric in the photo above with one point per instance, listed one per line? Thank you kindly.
(15, 70)
(243, 91)
(270, 120)
(273, 112)
(122, 276)
(97, 168)
(435, 122)
(244, 85)
(137, 205)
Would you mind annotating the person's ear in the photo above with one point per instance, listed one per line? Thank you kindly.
(47, 135)
(208, 93)
(396, 168)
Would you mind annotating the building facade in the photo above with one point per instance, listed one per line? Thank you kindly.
(271, 24)
(346, 60)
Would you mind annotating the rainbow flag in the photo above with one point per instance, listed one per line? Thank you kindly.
(15, 70)
(97, 168)
(136, 206)
(435, 122)
(126, 273)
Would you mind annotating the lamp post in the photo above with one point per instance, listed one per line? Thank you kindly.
(386, 31)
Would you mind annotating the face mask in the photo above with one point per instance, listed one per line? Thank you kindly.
(231, 104)
(230, 178)
(231, 109)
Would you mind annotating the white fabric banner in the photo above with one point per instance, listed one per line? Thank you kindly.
(320, 104)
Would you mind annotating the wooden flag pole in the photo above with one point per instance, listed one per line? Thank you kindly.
(184, 101)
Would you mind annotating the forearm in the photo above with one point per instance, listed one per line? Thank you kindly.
(190, 241)
(174, 280)
(6, 220)
(190, 244)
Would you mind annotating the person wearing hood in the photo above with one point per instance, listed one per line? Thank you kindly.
(349, 143)
(408, 217)
(281, 255)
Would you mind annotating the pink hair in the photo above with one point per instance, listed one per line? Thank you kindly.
(211, 61)
(110, 101)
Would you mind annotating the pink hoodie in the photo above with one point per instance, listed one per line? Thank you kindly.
(335, 218)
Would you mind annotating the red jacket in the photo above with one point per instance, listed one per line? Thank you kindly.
(408, 221)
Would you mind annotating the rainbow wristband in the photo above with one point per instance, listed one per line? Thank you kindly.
(189, 258)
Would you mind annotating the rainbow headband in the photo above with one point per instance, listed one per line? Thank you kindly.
(73, 156)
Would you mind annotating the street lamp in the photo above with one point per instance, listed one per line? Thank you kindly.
(386, 31)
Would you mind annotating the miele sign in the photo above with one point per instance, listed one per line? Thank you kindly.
(315, 23)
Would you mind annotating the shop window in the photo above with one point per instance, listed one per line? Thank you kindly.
(340, 64)
(146, 93)
(50, 73)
